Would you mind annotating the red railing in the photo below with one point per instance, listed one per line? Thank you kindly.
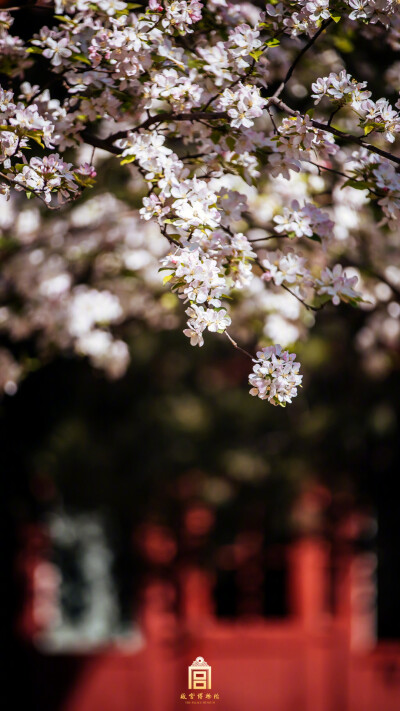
(319, 658)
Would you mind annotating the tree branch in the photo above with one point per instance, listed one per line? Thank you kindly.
(168, 116)
(103, 143)
(309, 307)
(305, 49)
(235, 345)
(336, 132)
(107, 143)
(13, 183)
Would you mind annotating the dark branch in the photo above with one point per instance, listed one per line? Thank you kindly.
(336, 132)
(235, 345)
(169, 116)
(301, 54)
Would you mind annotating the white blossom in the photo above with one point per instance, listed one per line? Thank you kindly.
(336, 284)
(275, 376)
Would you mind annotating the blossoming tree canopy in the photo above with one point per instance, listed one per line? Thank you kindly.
(269, 174)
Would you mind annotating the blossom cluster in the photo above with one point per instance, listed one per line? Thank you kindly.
(373, 115)
(302, 17)
(298, 140)
(243, 105)
(197, 279)
(13, 57)
(187, 97)
(289, 268)
(88, 309)
(275, 376)
(20, 124)
(303, 221)
(44, 262)
(337, 285)
(381, 178)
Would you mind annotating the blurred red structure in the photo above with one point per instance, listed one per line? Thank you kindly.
(322, 657)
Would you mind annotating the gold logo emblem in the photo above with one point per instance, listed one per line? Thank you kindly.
(199, 674)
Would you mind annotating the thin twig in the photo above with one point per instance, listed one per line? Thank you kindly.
(169, 116)
(336, 132)
(231, 85)
(327, 168)
(309, 307)
(30, 190)
(265, 239)
(235, 345)
(334, 112)
(300, 55)
(270, 114)
(107, 143)
(168, 237)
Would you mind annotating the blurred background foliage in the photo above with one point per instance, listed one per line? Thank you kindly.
(180, 431)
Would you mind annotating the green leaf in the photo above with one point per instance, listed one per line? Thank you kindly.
(64, 18)
(81, 58)
(157, 59)
(7, 243)
(343, 44)
(195, 63)
(357, 184)
(34, 50)
(230, 142)
(354, 301)
(35, 136)
(335, 18)
(38, 141)
(128, 159)
(272, 43)
(315, 238)
(256, 54)
(167, 278)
